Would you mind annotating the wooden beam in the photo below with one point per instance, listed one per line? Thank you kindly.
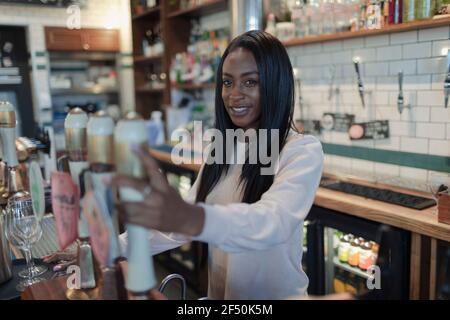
(433, 269)
(414, 283)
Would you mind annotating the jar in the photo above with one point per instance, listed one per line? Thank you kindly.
(353, 254)
(375, 249)
(344, 247)
(365, 256)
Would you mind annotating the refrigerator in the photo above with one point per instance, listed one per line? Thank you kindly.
(442, 287)
(344, 253)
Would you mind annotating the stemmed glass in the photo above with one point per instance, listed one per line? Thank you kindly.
(36, 269)
(438, 182)
(23, 230)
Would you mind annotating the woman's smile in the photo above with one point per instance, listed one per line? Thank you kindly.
(240, 110)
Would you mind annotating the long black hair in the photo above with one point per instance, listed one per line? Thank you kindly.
(276, 87)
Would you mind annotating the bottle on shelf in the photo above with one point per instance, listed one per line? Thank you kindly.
(425, 9)
(147, 43)
(270, 28)
(298, 17)
(373, 15)
(353, 254)
(395, 11)
(351, 284)
(155, 129)
(339, 281)
(158, 45)
(366, 256)
(344, 247)
(409, 10)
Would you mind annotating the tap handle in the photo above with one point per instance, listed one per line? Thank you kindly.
(400, 80)
(332, 76)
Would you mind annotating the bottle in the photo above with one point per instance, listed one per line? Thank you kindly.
(425, 9)
(147, 43)
(270, 28)
(373, 15)
(338, 282)
(409, 10)
(344, 247)
(375, 249)
(365, 256)
(351, 285)
(395, 11)
(353, 254)
(298, 17)
(155, 129)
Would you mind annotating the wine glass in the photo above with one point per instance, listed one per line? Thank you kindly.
(23, 230)
(36, 269)
(438, 182)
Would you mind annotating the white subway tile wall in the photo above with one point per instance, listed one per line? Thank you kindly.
(113, 14)
(424, 128)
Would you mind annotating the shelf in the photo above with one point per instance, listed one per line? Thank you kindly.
(349, 268)
(209, 7)
(147, 13)
(194, 86)
(146, 89)
(83, 56)
(144, 59)
(80, 91)
(408, 26)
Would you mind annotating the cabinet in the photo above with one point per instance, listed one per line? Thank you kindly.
(172, 22)
(63, 39)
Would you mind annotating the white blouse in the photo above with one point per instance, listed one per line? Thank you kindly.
(255, 250)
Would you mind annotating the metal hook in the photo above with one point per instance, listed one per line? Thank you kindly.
(170, 277)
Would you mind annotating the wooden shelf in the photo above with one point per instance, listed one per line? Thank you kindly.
(150, 90)
(81, 91)
(408, 26)
(194, 86)
(349, 268)
(147, 13)
(144, 59)
(209, 7)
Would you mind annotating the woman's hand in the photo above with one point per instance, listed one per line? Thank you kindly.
(163, 208)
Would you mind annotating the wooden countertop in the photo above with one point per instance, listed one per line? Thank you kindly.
(420, 221)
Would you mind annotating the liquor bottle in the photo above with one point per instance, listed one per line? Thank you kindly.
(395, 11)
(409, 10)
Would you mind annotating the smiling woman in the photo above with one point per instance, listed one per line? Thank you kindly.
(252, 222)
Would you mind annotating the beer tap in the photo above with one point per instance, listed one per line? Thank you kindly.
(400, 99)
(75, 135)
(141, 277)
(8, 137)
(356, 62)
(100, 136)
